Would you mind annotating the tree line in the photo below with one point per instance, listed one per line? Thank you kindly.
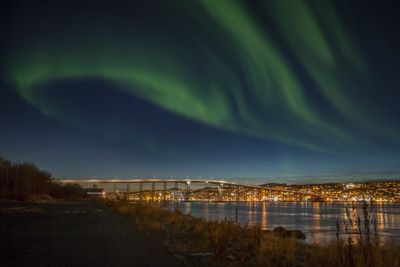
(25, 181)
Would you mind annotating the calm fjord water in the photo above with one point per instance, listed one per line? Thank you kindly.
(316, 219)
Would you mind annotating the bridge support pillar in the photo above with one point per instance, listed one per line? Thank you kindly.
(141, 191)
(153, 191)
(114, 190)
(176, 188)
(164, 191)
(187, 197)
(220, 192)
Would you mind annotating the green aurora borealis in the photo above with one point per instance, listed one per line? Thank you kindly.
(287, 72)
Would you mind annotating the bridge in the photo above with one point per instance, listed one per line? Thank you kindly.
(184, 189)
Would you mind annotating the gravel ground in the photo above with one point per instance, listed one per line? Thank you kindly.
(75, 234)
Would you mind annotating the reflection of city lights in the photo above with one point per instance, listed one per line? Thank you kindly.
(264, 220)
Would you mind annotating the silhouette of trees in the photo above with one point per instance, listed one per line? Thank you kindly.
(68, 191)
(22, 181)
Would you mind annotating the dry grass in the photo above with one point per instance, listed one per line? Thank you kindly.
(232, 245)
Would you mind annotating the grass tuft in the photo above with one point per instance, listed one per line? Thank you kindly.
(224, 243)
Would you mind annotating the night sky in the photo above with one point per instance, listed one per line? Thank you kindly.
(284, 91)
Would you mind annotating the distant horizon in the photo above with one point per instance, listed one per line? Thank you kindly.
(340, 177)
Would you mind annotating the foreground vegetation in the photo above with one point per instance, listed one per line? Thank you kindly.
(26, 182)
(224, 243)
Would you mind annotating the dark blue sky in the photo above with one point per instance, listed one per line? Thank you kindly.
(301, 91)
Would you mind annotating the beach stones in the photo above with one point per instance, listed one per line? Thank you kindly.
(282, 232)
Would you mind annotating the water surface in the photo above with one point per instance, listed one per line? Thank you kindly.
(316, 219)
